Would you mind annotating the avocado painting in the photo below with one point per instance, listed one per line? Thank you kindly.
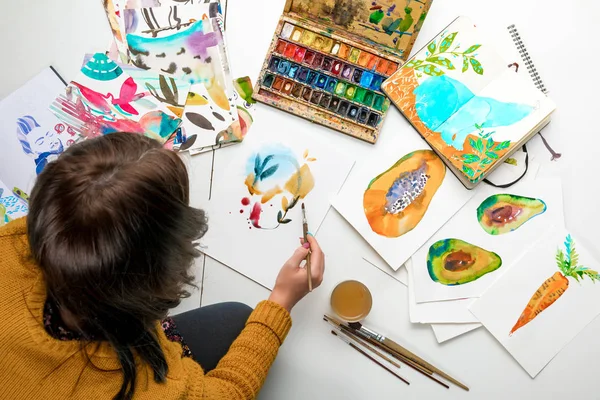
(504, 213)
(396, 200)
(485, 238)
(456, 262)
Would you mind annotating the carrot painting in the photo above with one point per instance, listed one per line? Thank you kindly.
(555, 286)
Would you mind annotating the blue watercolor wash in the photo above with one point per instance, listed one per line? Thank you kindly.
(366, 79)
(447, 106)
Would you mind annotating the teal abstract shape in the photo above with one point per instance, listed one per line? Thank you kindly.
(101, 68)
(447, 106)
(376, 17)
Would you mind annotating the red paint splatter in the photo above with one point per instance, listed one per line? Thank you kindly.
(255, 215)
(245, 201)
(241, 211)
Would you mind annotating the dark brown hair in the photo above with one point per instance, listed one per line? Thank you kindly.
(112, 230)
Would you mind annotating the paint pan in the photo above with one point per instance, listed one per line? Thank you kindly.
(312, 77)
(287, 87)
(318, 60)
(297, 90)
(287, 30)
(376, 83)
(297, 34)
(336, 48)
(331, 84)
(363, 115)
(337, 67)
(368, 100)
(308, 38)
(344, 51)
(309, 57)
(290, 50)
(378, 102)
(373, 119)
(284, 67)
(347, 72)
(352, 111)
(325, 100)
(340, 89)
(343, 108)
(356, 75)
(373, 63)
(278, 83)
(280, 46)
(268, 80)
(327, 64)
(316, 97)
(354, 55)
(321, 81)
(303, 74)
(274, 64)
(383, 66)
(367, 79)
(293, 71)
(300, 53)
(350, 92)
(334, 104)
(306, 93)
(360, 95)
(364, 59)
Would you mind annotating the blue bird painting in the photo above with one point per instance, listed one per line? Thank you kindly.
(447, 106)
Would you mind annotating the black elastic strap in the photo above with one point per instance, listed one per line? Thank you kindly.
(518, 179)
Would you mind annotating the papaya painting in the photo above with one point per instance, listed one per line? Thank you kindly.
(504, 213)
(276, 173)
(396, 200)
(556, 286)
(455, 262)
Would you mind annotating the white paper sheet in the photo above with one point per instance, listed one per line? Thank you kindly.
(537, 342)
(450, 311)
(30, 134)
(233, 238)
(509, 246)
(445, 332)
(447, 200)
(401, 275)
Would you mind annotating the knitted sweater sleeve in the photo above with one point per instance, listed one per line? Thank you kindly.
(243, 370)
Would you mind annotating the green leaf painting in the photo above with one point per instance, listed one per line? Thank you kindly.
(430, 69)
(440, 57)
(432, 46)
(472, 49)
(490, 144)
(492, 155)
(465, 65)
(447, 42)
(469, 171)
(485, 152)
(442, 61)
(470, 158)
(503, 145)
(476, 66)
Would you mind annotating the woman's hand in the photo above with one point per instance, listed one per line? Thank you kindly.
(292, 282)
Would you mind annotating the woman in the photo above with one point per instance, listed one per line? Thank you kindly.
(104, 254)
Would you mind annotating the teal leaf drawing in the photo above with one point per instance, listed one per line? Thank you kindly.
(470, 158)
(293, 203)
(447, 42)
(443, 61)
(257, 165)
(479, 145)
(486, 161)
(502, 146)
(492, 155)
(285, 221)
(490, 144)
(477, 67)
(473, 143)
(487, 135)
(279, 216)
(431, 47)
(412, 64)
(430, 69)
(472, 49)
(265, 162)
(465, 64)
(269, 172)
(469, 171)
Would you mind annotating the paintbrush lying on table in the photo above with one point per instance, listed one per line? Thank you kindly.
(395, 350)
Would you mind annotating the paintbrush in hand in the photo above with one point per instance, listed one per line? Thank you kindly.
(305, 235)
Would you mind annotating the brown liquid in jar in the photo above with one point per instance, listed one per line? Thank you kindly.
(351, 301)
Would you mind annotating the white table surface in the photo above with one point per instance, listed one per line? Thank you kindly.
(562, 40)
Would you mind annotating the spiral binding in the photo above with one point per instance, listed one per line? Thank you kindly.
(535, 76)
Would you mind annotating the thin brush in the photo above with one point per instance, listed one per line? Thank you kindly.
(364, 353)
(305, 234)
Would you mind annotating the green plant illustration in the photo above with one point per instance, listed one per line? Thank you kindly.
(568, 263)
(443, 55)
(486, 152)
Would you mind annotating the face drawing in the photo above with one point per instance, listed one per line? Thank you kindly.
(37, 142)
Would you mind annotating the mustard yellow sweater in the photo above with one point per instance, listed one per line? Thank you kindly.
(33, 365)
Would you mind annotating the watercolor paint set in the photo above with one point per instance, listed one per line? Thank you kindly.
(328, 60)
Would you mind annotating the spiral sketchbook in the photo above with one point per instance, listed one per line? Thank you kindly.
(461, 93)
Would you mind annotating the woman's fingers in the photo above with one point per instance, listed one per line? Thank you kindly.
(317, 259)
